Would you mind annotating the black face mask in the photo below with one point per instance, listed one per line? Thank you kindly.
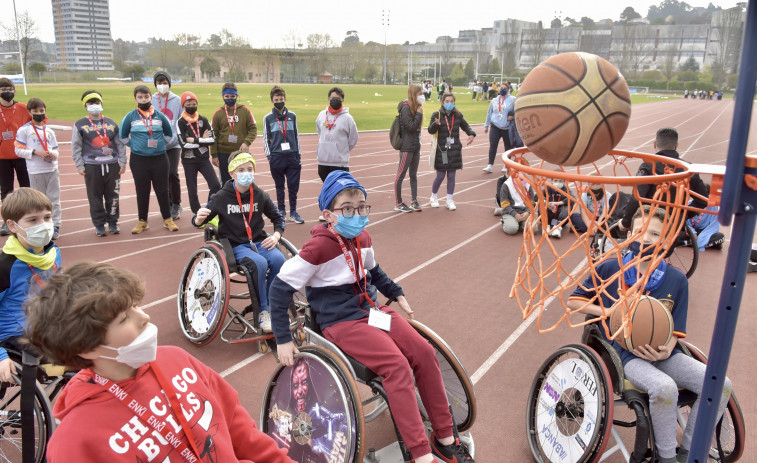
(38, 117)
(598, 193)
(7, 96)
(279, 105)
(144, 106)
(190, 109)
(335, 103)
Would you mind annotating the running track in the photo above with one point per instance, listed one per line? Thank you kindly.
(456, 269)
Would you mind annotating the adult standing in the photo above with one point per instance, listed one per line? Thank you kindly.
(411, 122)
(12, 116)
(337, 135)
(101, 159)
(170, 105)
(448, 158)
(497, 117)
(234, 127)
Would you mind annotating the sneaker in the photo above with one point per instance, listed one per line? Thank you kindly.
(498, 211)
(504, 169)
(434, 201)
(556, 232)
(169, 225)
(415, 205)
(488, 169)
(175, 211)
(295, 217)
(451, 205)
(114, 228)
(4, 230)
(320, 217)
(402, 207)
(56, 233)
(100, 230)
(265, 321)
(140, 227)
(752, 267)
(455, 453)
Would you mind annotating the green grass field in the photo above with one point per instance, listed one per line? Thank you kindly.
(372, 106)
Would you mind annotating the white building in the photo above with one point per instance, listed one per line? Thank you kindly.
(82, 34)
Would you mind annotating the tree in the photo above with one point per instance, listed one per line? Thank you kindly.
(680, 12)
(210, 67)
(556, 23)
(690, 65)
(37, 68)
(509, 41)
(457, 76)
(135, 72)
(636, 46)
(494, 66)
(233, 53)
(628, 14)
(189, 49)
(687, 76)
(214, 41)
(469, 71)
(351, 38)
(535, 43)
(669, 57)
(587, 22)
(26, 34)
(11, 68)
(291, 39)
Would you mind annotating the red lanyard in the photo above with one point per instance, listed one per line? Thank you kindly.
(449, 127)
(37, 279)
(2, 113)
(246, 220)
(147, 417)
(145, 119)
(103, 136)
(351, 264)
(695, 220)
(231, 121)
(196, 132)
(501, 100)
(164, 109)
(333, 123)
(284, 129)
(44, 133)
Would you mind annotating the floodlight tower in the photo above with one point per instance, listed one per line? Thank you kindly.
(385, 23)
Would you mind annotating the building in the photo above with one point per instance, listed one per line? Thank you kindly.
(82, 35)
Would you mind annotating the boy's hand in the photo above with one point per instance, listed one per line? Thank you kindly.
(51, 156)
(244, 147)
(202, 214)
(214, 161)
(7, 368)
(405, 307)
(270, 242)
(122, 170)
(651, 354)
(81, 171)
(286, 353)
(207, 133)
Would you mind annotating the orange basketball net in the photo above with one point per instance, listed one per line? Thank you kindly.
(549, 271)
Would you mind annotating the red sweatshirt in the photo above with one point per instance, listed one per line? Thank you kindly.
(97, 427)
(11, 118)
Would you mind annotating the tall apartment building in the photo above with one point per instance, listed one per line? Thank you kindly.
(82, 34)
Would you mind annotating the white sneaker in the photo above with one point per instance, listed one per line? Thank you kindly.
(451, 205)
(488, 169)
(556, 232)
(498, 211)
(434, 201)
(320, 217)
(265, 321)
(504, 169)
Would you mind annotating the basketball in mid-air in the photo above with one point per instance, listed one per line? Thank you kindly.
(573, 108)
(651, 323)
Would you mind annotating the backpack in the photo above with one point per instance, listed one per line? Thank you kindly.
(395, 135)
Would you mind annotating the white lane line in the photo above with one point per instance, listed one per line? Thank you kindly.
(704, 132)
(239, 365)
(159, 301)
(148, 249)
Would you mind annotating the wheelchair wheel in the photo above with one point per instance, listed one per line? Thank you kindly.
(313, 409)
(570, 407)
(203, 294)
(10, 420)
(732, 431)
(685, 252)
(602, 242)
(457, 383)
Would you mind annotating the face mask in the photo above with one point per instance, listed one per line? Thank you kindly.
(7, 96)
(95, 109)
(38, 235)
(558, 185)
(635, 248)
(420, 99)
(144, 106)
(163, 88)
(279, 105)
(141, 350)
(230, 101)
(598, 193)
(449, 106)
(503, 91)
(335, 103)
(38, 117)
(190, 109)
(245, 178)
(350, 227)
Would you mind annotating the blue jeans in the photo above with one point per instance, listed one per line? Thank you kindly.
(267, 262)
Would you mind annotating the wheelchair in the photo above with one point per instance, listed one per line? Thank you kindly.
(204, 296)
(333, 425)
(571, 405)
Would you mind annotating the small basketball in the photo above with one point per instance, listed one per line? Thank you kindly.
(573, 108)
(651, 324)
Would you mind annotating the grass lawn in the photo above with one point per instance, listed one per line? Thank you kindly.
(372, 106)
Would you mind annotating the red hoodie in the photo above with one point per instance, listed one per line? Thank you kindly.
(97, 427)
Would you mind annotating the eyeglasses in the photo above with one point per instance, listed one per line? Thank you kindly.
(349, 211)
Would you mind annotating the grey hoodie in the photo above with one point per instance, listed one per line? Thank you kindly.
(172, 110)
(334, 145)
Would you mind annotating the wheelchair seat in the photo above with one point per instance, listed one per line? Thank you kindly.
(211, 234)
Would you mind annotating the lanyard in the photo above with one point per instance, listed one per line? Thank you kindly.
(44, 133)
(351, 264)
(246, 220)
(500, 100)
(286, 124)
(145, 120)
(449, 127)
(164, 109)
(2, 113)
(333, 123)
(196, 132)
(231, 121)
(147, 417)
(695, 220)
(37, 279)
(103, 136)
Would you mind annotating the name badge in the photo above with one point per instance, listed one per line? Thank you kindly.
(232, 138)
(380, 320)
(451, 140)
(152, 143)
(8, 135)
(500, 115)
(285, 147)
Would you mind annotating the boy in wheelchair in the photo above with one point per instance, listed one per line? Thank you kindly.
(338, 267)
(658, 370)
(240, 206)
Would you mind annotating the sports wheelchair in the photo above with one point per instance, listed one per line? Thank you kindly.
(204, 295)
(333, 426)
(571, 405)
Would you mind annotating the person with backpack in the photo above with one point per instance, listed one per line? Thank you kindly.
(410, 123)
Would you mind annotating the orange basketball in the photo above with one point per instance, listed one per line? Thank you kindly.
(651, 324)
(573, 108)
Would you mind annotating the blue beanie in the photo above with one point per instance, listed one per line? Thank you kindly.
(337, 181)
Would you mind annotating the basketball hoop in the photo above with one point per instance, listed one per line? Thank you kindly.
(547, 271)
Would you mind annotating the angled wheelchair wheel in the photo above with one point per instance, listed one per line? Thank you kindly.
(606, 241)
(10, 420)
(570, 407)
(457, 383)
(684, 254)
(313, 409)
(203, 294)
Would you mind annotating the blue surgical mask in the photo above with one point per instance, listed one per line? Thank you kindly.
(245, 178)
(230, 101)
(635, 248)
(449, 106)
(350, 227)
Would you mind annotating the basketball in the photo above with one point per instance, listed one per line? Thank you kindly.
(651, 324)
(573, 108)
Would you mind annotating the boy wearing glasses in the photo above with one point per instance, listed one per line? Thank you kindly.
(337, 265)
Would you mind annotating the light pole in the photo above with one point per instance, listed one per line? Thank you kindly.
(18, 39)
(385, 23)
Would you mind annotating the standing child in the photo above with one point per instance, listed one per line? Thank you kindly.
(281, 142)
(195, 137)
(337, 135)
(36, 143)
(234, 127)
(168, 104)
(411, 123)
(12, 116)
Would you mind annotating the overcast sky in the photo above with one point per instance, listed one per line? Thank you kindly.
(263, 26)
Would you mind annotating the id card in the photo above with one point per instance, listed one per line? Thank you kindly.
(8, 135)
(152, 143)
(232, 138)
(451, 141)
(285, 146)
(380, 320)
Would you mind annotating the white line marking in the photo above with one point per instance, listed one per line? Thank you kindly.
(159, 301)
(148, 249)
(239, 365)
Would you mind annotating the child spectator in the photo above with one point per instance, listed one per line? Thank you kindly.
(147, 131)
(707, 228)
(337, 135)
(195, 137)
(137, 401)
(240, 206)
(339, 269)
(234, 127)
(281, 142)
(513, 205)
(168, 104)
(12, 116)
(36, 143)
(557, 206)
(29, 257)
(411, 123)
(101, 158)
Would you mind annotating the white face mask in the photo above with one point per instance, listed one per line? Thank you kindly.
(95, 109)
(163, 88)
(420, 99)
(141, 350)
(38, 235)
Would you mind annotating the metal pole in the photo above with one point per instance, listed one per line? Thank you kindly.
(18, 39)
(385, 23)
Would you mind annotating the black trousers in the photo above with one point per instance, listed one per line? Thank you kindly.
(495, 133)
(324, 171)
(223, 167)
(7, 167)
(286, 168)
(103, 182)
(191, 169)
(150, 171)
(174, 181)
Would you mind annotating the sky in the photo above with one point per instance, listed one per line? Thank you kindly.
(262, 26)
